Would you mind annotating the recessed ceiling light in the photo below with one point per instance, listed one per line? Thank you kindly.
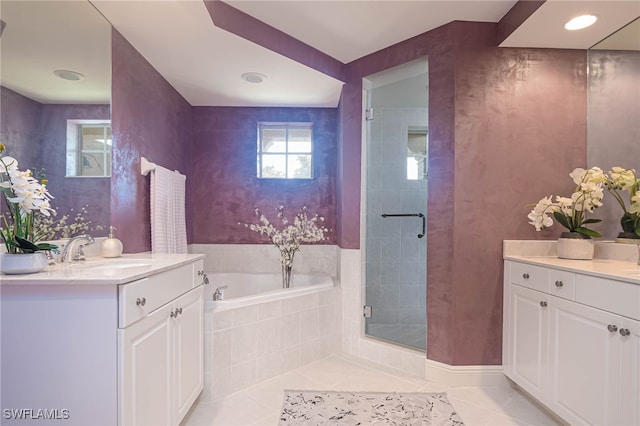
(253, 77)
(580, 22)
(69, 75)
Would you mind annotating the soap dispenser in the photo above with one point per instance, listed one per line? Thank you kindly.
(111, 247)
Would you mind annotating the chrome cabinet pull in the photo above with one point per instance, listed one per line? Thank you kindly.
(178, 311)
(543, 304)
(173, 314)
(624, 332)
(200, 273)
(612, 328)
(141, 301)
(559, 284)
(525, 276)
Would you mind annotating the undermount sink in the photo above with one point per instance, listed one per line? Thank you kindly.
(115, 264)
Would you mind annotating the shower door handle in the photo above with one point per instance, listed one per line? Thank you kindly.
(420, 215)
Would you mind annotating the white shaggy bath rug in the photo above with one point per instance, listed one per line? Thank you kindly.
(367, 408)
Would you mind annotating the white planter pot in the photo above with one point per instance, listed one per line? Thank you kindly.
(572, 245)
(23, 263)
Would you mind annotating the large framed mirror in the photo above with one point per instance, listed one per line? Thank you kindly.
(613, 112)
(55, 106)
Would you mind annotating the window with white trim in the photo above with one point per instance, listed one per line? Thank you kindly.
(89, 148)
(285, 151)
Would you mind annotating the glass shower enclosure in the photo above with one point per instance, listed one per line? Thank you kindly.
(395, 204)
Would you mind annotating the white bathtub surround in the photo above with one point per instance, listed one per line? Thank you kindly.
(247, 345)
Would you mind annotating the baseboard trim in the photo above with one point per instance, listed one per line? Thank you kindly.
(464, 375)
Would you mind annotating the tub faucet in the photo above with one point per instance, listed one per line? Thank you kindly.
(68, 252)
(217, 295)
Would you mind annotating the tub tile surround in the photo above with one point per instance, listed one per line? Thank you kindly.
(248, 345)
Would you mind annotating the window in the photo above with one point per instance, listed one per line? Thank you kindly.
(417, 153)
(89, 148)
(285, 150)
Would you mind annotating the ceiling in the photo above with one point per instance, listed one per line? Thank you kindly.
(204, 63)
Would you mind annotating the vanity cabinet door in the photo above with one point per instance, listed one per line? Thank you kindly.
(528, 339)
(585, 363)
(145, 373)
(188, 340)
(630, 372)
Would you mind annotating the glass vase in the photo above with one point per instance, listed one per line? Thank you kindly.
(286, 275)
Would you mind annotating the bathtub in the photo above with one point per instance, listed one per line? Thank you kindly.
(246, 289)
(260, 330)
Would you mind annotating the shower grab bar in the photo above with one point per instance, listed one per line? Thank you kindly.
(410, 215)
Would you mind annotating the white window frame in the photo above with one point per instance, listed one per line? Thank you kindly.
(284, 126)
(74, 153)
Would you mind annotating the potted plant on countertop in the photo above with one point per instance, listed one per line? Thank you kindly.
(25, 196)
(572, 213)
(619, 180)
(291, 236)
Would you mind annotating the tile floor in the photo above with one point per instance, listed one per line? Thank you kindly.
(260, 404)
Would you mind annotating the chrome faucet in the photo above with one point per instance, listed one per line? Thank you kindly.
(217, 295)
(78, 254)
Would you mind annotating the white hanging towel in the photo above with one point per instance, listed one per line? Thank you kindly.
(168, 224)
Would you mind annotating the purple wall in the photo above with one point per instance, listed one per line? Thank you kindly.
(224, 172)
(20, 127)
(506, 128)
(75, 192)
(36, 135)
(151, 119)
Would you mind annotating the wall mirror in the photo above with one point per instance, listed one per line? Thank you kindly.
(613, 108)
(56, 71)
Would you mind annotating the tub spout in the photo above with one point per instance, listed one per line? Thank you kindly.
(217, 295)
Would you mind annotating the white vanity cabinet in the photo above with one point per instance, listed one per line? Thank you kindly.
(115, 351)
(161, 355)
(572, 341)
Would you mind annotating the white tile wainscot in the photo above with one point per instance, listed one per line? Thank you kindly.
(247, 345)
(571, 331)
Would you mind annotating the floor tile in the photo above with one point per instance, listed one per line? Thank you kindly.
(261, 403)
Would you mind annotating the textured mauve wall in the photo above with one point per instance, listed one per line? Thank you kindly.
(19, 127)
(36, 135)
(73, 193)
(614, 122)
(506, 128)
(224, 172)
(149, 119)
(520, 129)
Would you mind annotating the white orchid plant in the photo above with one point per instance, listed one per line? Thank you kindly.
(619, 180)
(291, 236)
(572, 212)
(25, 195)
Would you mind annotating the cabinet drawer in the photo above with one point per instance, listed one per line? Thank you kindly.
(562, 284)
(139, 298)
(614, 296)
(534, 277)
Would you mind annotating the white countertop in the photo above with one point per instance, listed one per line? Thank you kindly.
(102, 271)
(606, 268)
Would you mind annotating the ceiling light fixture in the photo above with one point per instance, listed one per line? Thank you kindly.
(580, 22)
(253, 77)
(69, 75)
